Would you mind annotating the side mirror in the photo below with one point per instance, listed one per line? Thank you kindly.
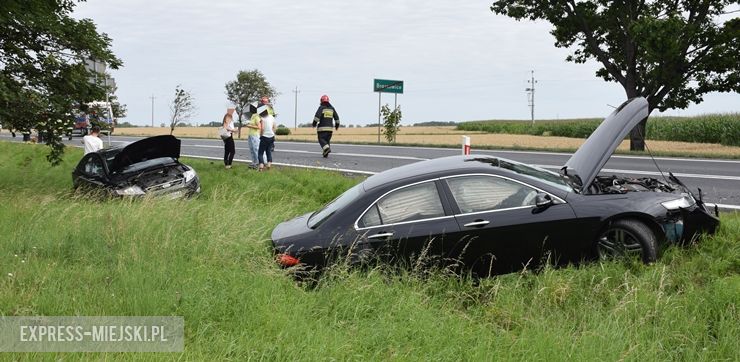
(542, 202)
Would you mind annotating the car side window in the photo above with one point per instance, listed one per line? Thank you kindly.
(93, 166)
(407, 204)
(484, 193)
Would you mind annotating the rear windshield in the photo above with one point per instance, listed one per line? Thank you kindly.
(340, 202)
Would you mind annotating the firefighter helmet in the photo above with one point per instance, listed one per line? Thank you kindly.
(324, 98)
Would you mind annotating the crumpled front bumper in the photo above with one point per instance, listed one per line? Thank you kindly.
(685, 225)
(698, 220)
(695, 220)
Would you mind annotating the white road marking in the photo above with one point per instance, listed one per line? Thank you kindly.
(634, 172)
(474, 150)
(724, 206)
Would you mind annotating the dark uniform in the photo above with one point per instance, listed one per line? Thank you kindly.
(327, 120)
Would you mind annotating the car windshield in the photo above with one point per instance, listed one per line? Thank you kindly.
(539, 174)
(340, 202)
(109, 155)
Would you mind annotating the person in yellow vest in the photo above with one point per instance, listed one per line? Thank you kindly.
(253, 136)
(326, 121)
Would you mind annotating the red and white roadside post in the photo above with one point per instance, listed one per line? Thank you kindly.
(465, 145)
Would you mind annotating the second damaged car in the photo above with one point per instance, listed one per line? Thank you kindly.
(149, 166)
(491, 215)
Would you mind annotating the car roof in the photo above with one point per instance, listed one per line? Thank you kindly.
(434, 167)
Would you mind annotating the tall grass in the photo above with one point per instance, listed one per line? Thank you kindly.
(710, 128)
(208, 259)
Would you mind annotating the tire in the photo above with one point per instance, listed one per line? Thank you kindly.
(626, 238)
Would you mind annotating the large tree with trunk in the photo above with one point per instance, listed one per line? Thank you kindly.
(248, 87)
(670, 52)
(43, 78)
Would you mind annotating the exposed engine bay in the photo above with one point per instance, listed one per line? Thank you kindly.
(168, 176)
(620, 185)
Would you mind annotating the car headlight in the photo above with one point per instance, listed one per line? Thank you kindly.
(682, 203)
(189, 174)
(130, 191)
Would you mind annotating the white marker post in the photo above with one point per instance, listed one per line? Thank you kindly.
(465, 145)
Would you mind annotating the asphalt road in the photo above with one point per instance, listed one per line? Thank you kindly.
(718, 179)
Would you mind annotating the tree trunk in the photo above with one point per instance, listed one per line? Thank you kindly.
(637, 136)
(239, 129)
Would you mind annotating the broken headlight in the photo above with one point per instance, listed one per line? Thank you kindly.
(684, 202)
(130, 191)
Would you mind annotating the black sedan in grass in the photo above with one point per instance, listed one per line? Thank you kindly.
(491, 215)
(146, 167)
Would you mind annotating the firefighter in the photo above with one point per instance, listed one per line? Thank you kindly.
(327, 120)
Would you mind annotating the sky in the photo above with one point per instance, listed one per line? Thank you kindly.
(458, 60)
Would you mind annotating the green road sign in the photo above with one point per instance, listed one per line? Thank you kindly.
(388, 86)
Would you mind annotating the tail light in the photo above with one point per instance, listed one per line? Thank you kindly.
(287, 260)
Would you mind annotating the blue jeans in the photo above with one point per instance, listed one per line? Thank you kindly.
(266, 148)
(254, 145)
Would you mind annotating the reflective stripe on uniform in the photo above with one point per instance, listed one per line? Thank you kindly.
(325, 129)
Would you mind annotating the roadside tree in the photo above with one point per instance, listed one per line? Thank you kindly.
(670, 52)
(42, 72)
(181, 108)
(391, 122)
(248, 87)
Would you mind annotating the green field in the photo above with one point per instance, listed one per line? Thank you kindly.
(709, 128)
(208, 260)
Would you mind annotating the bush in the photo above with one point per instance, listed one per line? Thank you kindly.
(282, 131)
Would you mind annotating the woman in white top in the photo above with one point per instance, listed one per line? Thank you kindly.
(229, 148)
(267, 137)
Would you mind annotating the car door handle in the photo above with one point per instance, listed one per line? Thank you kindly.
(477, 223)
(380, 236)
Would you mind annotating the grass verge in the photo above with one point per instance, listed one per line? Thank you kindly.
(207, 259)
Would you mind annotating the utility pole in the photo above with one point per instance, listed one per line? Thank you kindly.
(530, 94)
(152, 98)
(295, 107)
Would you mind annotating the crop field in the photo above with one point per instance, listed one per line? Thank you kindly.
(449, 136)
(709, 128)
(208, 259)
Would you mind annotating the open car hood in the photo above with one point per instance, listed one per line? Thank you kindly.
(591, 157)
(146, 149)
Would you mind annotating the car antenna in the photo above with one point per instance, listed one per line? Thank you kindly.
(651, 157)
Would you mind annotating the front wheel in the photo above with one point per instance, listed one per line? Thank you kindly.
(627, 238)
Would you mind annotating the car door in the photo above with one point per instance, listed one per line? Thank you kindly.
(90, 172)
(407, 225)
(500, 228)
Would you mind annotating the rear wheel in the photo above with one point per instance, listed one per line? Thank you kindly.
(627, 238)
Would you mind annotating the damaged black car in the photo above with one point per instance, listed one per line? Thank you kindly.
(149, 166)
(491, 215)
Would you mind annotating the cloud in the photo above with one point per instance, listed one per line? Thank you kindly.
(458, 60)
